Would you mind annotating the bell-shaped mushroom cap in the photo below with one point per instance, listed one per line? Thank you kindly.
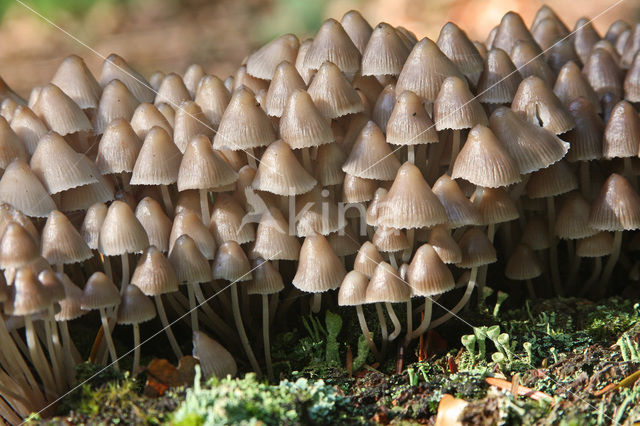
(231, 263)
(631, 46)
(121, 232)
(383, 107)
(116, 102)
(371, 157)
(622, 133)
(374, 206)
(227, 221)
(316, 212)
(367, 259)
(168, 113)
(118, 149)
(17, 247)
(189, 122)
(188, 262)
(212, 98)
(11, 147)
(522, 264)
(172, 91)
(187, 222)
(244, 124)
(29, 296)
(61, 243)
(390, 240)
(500, 79)
(241, 78)
(353, 290)
(344, 242)
(454, 43)
(535, 100)
(586, 137)
(21, 188)
(99, 292)
(10, 214)
(214, 359)
(203, 168)
(511, 29)
(603, 73)
(286, 81)
(425, 69)
(328, 165)
(333, 94)
(114, 67)
(69, 306)
(597, 245)
(192, 76)
(615, 29)
(572, 221)
(82, 197)
(572, 84)
(91, 224)
(427, 274)
(158, 162)
(529, 61)
(28, 127)
(531, 146)
(617, 207)
(631, 82)
(410, 203)
(460, 211)
(154, 275)
(333, 44)
(385, 53)
(484, 161)
(319, 268)
(387, 286)
(49, 279)
(135, 307)
(145, 118)
(358, 190)
(554, 180)
(536, 234)
(273, 239)
(266, 278)
(456, 108)
(60, 113)
(409, 123)
(357, 28)
(263, 62)
(496, 206)
(476, 248)
(59, 167)
(280, 172)
(302, 125)
(444, 244)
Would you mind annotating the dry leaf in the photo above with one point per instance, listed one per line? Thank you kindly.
(449, 410)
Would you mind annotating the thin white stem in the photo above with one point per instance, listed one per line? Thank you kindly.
(461, 304)
(407, 336)
(235, 305)
(38, 359)
(125, 273)
(204, 206)
(383, 326)
(166, 199)
(411, 154)
(553, 249)
(611, 263)
(69, 359)
(316, 302)
(397, 328)
(192, 308)
(365, 331)
(166, 326)
(108, 339)
(406, 254)
(426, 319)
(530, 289)
(251, 158)
(455, 148)
(136, 348)
(593, 278)
(265, 335)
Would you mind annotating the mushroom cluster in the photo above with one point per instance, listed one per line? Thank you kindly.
(362, 159)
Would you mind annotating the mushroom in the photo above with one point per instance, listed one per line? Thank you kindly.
(454, 43)
(214, 359)
(61, 243)
(134, 309)
(353, 292)
(523, 266)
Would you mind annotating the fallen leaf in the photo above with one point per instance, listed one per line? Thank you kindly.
(627, 382)
(449, 410)
(162, 375)
(522, 390)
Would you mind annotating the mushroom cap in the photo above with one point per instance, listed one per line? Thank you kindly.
(387, 286)
(555, 180)
(273, 239)
(374, 206)
(69, 306)
(536, 234)
(409, 123)
(427, 274)
(263, 63)
(390, 240)
(231, 263)
(281, 173)
(116, 102)
(158, 161)
(385, 53)
(61, 243)
(11, 146)
(192, 76)
(353, 290)
(135, 307)
(155, 222)
(121, 232)
(190, 122)
(617, 207)
(91, 224)
(17, 247)
(367, 259)
(266, 278)
(572, 220)
(572, 84)
(522, 264)
(586, 137)
(154, 275)
(227, 221)
(302, 125)
(212, 98)
(60, 113)
(333, 44)
(319, 268)
(114, 67)
(460, 211)
(357, 28)
(456, 108)
(286, 81)
(203, 168)
(358, 190)
(603, 73)
(528, 59)
(214, 359)
(187, 222)
(99, 292)
(476, 248)
(118, 148)
(146, 117)
(328, 165)
(82, 197)
(371, 157)
(172, 91)
(500, 79)
(21, 188)
(188, 262)
(511, 29)
(333, 94)
(444, 244)
(622, 132)
(496, 206)
(454, 43)
(344, 242)
(29, 296)
(316, 212)
(28, 127)
(596, 245)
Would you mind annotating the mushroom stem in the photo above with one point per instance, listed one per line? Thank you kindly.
(109, 340)
(611, 263)
(251, 158)
(407, 337)
(530, 289)
(235, 305)
(411, 154)
(426, 319)
(406, 254)
(595, 273)
(553, 249)
(193, 309)
(106, 265)
(167, 327)
(306, 160)
(585, 179)
(383, 327)
(204, 206)
(433, 163)
(392, 260)
(136, 348)
(17, 365)
(125, 273)
(365, 331)
(69, 358)
(265, 335)
(59, 268)
(461, 304)
(273, 307)
(217, 323)
(397, 328)
(316, 302)
(166, 199)
(455, 148)
(57, 358)
(38, 359)
(628, 173)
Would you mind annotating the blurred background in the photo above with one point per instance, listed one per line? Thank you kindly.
(171, 34)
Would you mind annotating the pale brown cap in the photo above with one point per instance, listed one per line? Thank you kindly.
(387, 286)
(191, 78)
(7, 92)
(212, 98)
(214, 359)
(584, 37)
(116, 102)
(407, 36)
(155, 222)
(226, 223)
(91, 224)
(242, 78)
(333, 94)
(617, 207)
(82, 197)
(319, 268)
(454, 43)
(306, 73)
(76, 81)
(156, 78)
(444, 244)
(231, 263)
(280, 172)
(456, 108)
(188, 200)
(374, 206)
(28, 127)
(384, 106)
(333, 44)
(603, 73)
(189, 223)
(369, 86)
(484, 161)
(99, 292)
(263, 62)
(10, 214)
(511, 29)
(535, 100)
(29, 296)
(631, 82)
(118, 148)
(266, 278)
(168, 113)
(552, 181)
(317, 213)
(172, 91)
(597, 245)
(21, 188)
(286, 81)
(496, 206)
(623, 41)
(328, 165)
(410, 203)
(545, 12)
(245, 178)
(70, 305)
(135, 307)
(60, 113)
(114, 67)
(632, 46)
(203, 168)
(302, 125)
(572, 84)
(357, 28)
(536, 233)
(615, 29)
(158, 162)
(358, 190)
(273, 240)
(121, 232)
(476, 248)
(385, 53)
(353, 290)
(344, 242)
(188, 262)
(572, 221)
(586, 137)
(371, 157)
(622, 133)
(427, 274)
(146, 117)
(11, 147)
(522, 264)
(17, 247)
(367, 259)
(531, 146)
(61, 243)
(154, 275)
(390, 240)
(409, 123)
(7, 108)
(499, 80)
(460, 211)
(190, 122)
(425, 70)
(528, 59)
